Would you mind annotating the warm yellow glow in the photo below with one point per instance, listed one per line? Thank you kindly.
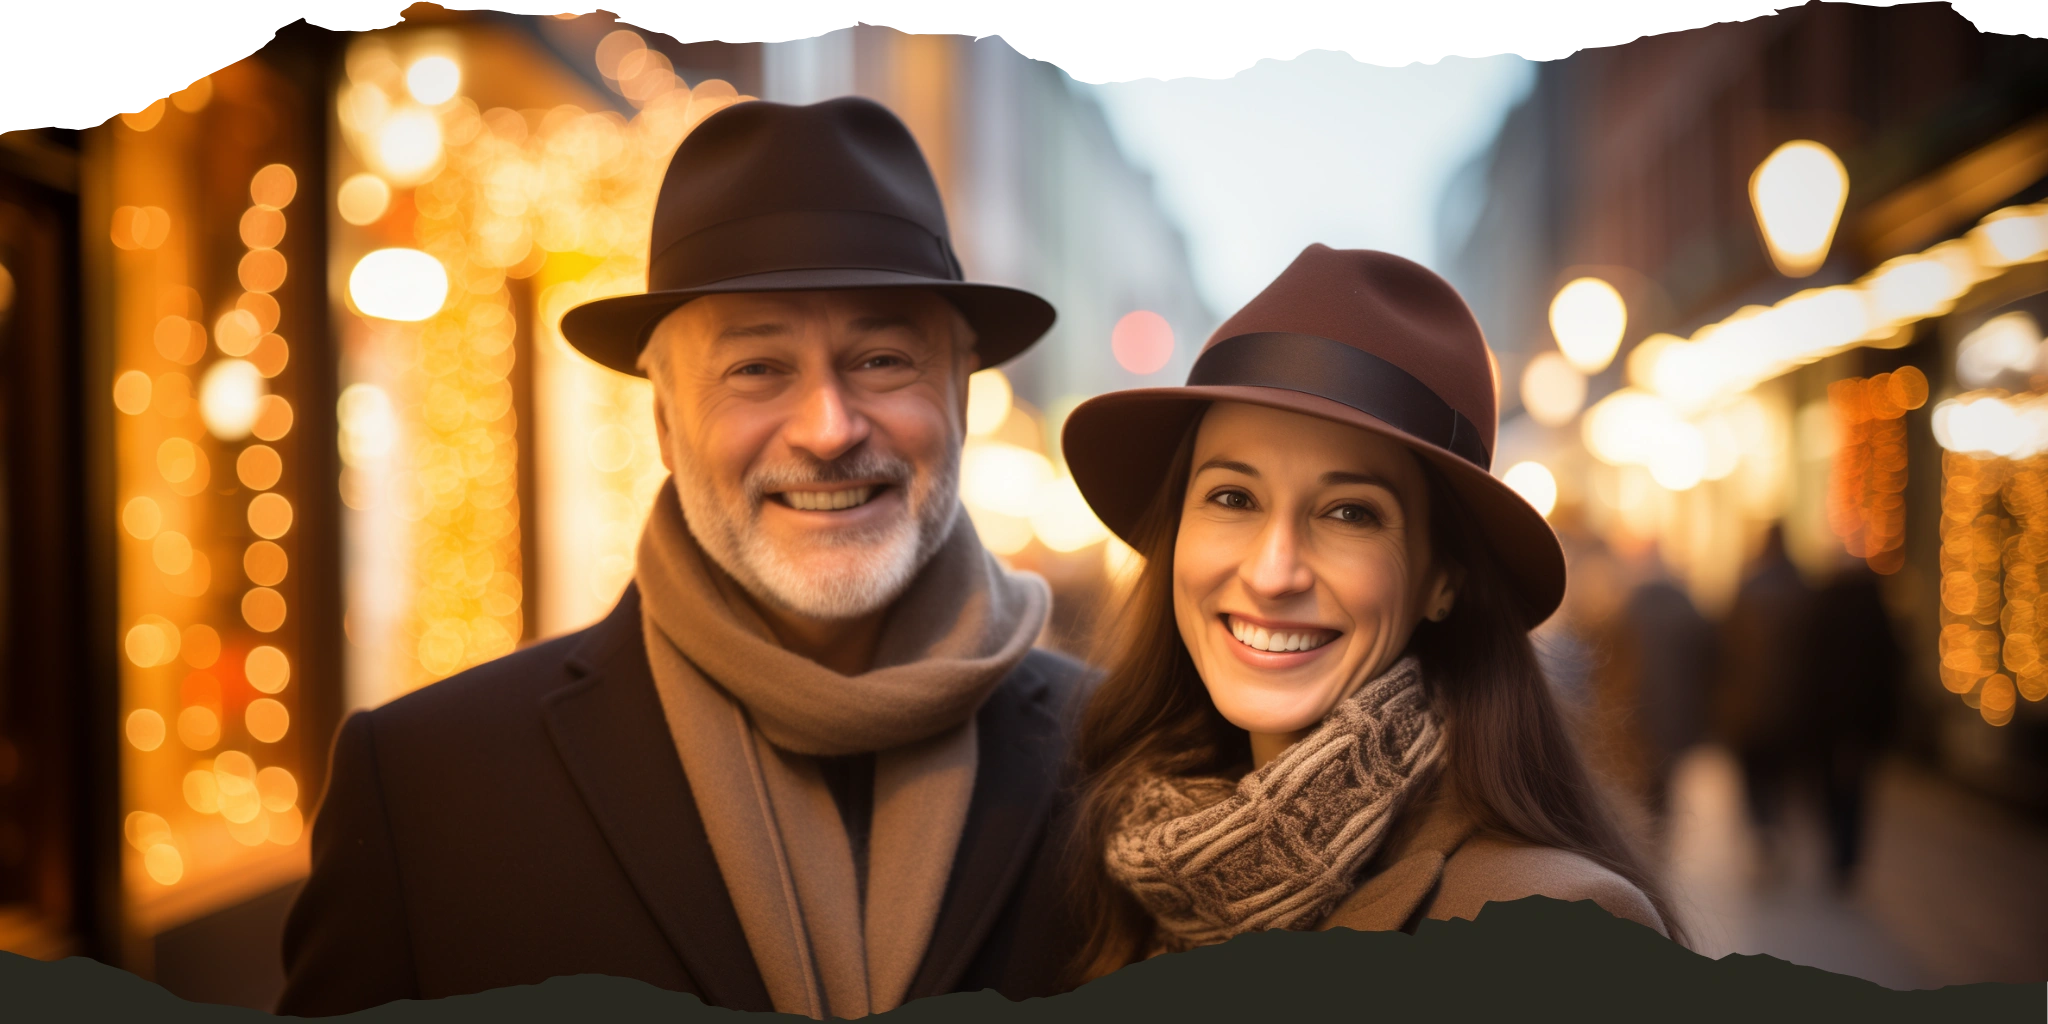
(142, 518)
(267, 669)
(259, 467)
(131, 392)
(988, 401)
(262, 227)
(1004, 478)
(1534, 482)
(1588, 320)
(164, 864)
(2013, 235)
(273, 186)
(202, 791)
(398, 284)
(265, 564)
(261, 270)
(1063, 521)
(202, 645)
(172, 552)
(146, 118)
(145, 729)
(194, 98)
(363, 198)
(2008, 343)
(198, 727)
(286, 827)
(270, 355)
(236, 331)
(144, 829)
(433, 80)
(273, 418)
(1797, 193)
(1000, 533)
(1678, 462)
(267, 720)
(409, 144)
(230, 397)
(152, 641)
(278, 789)
(263, 609)
(1552, 391)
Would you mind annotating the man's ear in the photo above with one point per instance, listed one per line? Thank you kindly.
(661, 432)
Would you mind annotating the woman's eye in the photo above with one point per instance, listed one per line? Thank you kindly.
(1355, 514)
(752, 370)
(1233, 499)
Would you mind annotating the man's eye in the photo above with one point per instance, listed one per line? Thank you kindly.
(884, 362)
(752, 370)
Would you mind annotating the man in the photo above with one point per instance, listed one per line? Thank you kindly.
(809, 763)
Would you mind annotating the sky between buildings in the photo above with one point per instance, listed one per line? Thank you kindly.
(1321, 148)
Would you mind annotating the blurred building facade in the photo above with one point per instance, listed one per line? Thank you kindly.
(1740, 396)
(289, 427)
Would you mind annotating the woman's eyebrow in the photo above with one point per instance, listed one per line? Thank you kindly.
(1220, 462)
(1340, 477)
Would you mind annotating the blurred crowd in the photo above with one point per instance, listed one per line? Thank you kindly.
(1799, 680)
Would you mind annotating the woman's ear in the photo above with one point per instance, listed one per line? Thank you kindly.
(1443, 593)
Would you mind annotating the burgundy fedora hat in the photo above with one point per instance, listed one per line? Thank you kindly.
(1360, 337)
(767, 197)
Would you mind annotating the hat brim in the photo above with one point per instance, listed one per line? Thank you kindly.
(1119, 445)
(1006, 321)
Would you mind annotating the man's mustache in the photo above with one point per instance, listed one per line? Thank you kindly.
(861, 465)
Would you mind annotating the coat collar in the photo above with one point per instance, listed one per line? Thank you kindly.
(609, 728)
(1407, 871)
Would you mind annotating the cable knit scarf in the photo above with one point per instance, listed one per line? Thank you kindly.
(1281, 847)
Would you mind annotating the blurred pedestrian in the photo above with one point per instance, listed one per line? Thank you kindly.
(1756, 701)
(1848, 713)
(1651, 692)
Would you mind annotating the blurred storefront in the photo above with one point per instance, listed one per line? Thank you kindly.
(289, 428)
(1792, 271)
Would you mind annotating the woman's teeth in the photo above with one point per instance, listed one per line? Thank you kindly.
(1263, 639)
(827, 501)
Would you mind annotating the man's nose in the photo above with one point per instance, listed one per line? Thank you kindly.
(1276, 567)
(825, 424)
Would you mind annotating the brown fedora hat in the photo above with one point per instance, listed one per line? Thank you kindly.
(1360, 337)
(770, 197)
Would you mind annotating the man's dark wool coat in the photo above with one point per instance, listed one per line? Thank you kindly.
(529, 819)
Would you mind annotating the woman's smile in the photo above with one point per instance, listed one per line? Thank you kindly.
(1273, 641)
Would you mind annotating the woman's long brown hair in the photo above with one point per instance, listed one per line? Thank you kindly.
(1509, 755)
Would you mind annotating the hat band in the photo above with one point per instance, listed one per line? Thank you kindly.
(801, 240)
(1353, 377)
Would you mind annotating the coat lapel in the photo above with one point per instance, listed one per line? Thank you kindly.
(1014, 784)
(609, 729)
(1411, 867)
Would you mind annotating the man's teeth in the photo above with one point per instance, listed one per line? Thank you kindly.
(827, 501)
(1263, 639)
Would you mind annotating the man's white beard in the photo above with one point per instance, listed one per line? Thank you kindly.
(843, 575)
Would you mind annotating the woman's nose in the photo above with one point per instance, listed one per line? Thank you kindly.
(1276, 567)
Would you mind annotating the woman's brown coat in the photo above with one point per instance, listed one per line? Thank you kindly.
(1436, 865)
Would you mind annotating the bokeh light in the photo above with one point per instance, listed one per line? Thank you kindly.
(1798, 192)
(1535, 483)
(1142, 342)
(409, 144)
(398, 284)
(230, 398)
(988, 401)
(145, 729)
(433, 80)
(1588, 319)
(363, 198)
(1552, 390)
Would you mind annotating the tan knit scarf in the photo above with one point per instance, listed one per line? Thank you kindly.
(1210, 858)
(750, 718)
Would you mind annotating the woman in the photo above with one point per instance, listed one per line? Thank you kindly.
(1322, 707)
